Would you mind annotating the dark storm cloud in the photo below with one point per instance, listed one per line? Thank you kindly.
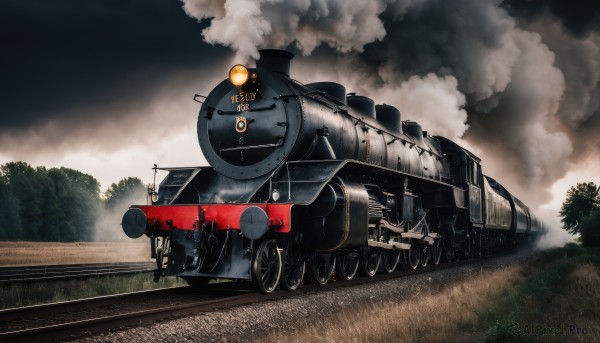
(579, 17)
(527, 72)
(63, 60)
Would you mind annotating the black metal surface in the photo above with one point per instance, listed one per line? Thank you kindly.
(362, 104)
(389, 116)
(233, 264)
(331, 90)
(254, 222)
(293, 123)
(134, 223)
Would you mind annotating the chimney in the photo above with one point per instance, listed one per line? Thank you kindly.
(275, 60)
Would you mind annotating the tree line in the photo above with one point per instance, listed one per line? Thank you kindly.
(56, 204)
(581, 212)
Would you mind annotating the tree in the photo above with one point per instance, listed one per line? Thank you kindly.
(83, 181)
(27, 183)
(127, 189)
(37, 204)
(9, 212)
(580, 202)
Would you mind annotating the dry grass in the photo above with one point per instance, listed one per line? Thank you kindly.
(426, 317)
(575, 301)
(41, 253)
(556, 290)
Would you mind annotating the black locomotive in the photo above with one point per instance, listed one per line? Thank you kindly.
(310, 177)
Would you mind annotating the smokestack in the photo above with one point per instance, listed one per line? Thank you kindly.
(275, 60)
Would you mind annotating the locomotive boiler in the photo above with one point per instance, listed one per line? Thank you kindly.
(308, 177)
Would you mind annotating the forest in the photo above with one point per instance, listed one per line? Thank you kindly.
(55, 204)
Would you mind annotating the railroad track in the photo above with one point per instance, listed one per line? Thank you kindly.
(83, 317)
(69, 271)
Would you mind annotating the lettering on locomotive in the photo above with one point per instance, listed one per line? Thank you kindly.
(243, 97)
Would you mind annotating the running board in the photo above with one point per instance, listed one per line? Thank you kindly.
(397, 245)
(429, 239)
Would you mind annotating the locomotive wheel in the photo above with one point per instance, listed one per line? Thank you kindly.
(413, 256)
(369, 261)
(391, 257)
(467, 247)
(266, 267)
(321, 267)
(347, 265)
(448, 251)
(424, 256)
(436, 251)
(293, 268)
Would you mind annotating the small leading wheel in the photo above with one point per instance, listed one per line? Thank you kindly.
(391, 257)
(436, 251)
(424, 255)
(293, 267)
(321, 267)
(412, 257)
(369, 261)
(266, 267)
(347, 265)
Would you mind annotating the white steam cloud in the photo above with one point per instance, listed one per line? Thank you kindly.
(246, 25)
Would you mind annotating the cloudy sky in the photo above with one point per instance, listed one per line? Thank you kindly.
(106, 86)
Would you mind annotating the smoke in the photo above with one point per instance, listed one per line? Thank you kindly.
(108, 224)
(526, 75)
(555, 236)
(422, 99)
(246, 25)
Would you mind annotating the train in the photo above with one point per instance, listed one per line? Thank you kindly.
(309, 182)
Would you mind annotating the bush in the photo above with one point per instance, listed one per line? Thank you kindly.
(590, 229)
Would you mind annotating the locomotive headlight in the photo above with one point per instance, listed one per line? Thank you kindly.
(238, 75)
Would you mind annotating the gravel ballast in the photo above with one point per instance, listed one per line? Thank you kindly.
(245, 323)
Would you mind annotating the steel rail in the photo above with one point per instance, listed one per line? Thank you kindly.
(52, 272)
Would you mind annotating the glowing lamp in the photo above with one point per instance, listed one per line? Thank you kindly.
(238, 75)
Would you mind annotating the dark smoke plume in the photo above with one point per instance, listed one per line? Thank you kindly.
(525, 72)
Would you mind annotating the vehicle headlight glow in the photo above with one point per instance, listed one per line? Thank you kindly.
(238, 75)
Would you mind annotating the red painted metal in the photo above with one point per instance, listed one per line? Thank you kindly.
(225, 216)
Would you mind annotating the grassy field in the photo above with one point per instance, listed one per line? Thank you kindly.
(553, 298)
(34, 293)
(42, 253)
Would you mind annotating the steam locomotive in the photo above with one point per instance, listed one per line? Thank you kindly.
(307, 179)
